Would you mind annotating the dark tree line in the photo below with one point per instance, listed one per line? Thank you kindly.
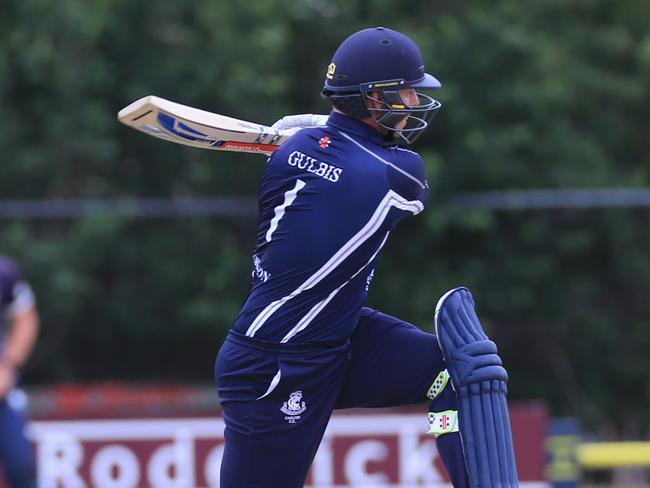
(535, 95)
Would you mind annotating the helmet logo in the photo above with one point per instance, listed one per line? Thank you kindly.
(330, 71)
(379, 85)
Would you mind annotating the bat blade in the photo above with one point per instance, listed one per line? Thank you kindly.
(190, 126)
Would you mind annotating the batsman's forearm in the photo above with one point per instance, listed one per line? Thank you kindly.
(21, 338)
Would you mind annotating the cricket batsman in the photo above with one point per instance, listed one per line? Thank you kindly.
(18, 331)
(303, 343)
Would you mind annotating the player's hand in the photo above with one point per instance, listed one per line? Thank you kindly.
(7, 379)
(293, 123)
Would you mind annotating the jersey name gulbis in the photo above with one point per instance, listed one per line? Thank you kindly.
(312, 165)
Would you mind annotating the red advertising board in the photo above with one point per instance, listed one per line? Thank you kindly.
(358, 450)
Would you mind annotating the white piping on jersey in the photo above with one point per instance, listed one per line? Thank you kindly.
(289, 197)
(316, 309)
(391, 199)
(388, 163)
(404, 149)
(274, 382)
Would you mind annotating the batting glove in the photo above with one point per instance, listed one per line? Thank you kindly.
(293, 123)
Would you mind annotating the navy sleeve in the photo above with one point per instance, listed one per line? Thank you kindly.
(9, 276)
(407, 177)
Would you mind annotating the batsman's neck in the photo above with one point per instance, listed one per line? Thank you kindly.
(370, 121)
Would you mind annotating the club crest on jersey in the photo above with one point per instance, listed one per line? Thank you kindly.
(324, 142)
(294, 407)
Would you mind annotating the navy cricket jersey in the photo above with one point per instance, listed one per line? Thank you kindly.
(328, 200)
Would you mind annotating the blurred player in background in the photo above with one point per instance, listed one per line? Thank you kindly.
(303, 344)
(19, 325)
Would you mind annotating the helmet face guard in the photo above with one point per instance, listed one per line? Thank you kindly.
(403, 121)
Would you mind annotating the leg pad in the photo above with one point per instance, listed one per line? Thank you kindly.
(478, 376)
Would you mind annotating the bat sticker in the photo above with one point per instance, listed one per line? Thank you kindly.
(179, 129)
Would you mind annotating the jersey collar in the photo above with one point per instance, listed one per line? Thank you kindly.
(355, 127)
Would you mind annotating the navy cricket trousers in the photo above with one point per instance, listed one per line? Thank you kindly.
(16, 455)
(277, 398)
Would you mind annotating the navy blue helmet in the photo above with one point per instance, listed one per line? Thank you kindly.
(366, 76)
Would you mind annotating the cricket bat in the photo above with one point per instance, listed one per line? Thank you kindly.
(179, 123)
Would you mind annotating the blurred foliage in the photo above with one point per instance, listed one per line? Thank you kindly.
(535, 95)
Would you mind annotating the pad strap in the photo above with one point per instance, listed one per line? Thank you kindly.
(438, 384)
(443, 422)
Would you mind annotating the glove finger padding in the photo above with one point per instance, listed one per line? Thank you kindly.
(478, 376)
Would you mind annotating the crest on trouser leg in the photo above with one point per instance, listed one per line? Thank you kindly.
(294, 407)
